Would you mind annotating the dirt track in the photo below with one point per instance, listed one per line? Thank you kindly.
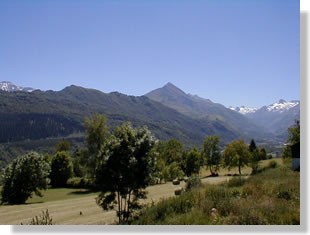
(68, 211)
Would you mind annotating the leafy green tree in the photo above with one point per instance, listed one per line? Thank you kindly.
(262, 154)
(293, 138)
(172, 171)
(123, 170)
(211, 153)
(252, 146)
(78, 159)
(236, 154)
(61, 169)
(254, 160)
(23, 177)
(294, 133)
(173, 151)
(97, 133)
(63, 145)
(192, 162)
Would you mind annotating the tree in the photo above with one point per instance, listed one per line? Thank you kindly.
(61, 169)
(294, 133)
(293, 138)
(173, 151)
(63, 145)
(97, 133)
(252, 146)
(211, 153)
(262, 154)
(236, 154)
(192, 162)
(124, 169)
(23, 177)
(254, 160)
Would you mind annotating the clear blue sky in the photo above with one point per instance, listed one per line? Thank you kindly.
(234, 52)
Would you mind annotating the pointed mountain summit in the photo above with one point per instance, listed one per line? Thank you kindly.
(204, 109)
(169, 93)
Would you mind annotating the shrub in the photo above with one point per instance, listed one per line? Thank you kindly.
(43, 219)
(193, 182)
(79, 182)
(272, 164)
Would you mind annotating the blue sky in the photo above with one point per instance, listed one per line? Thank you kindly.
(234, 52)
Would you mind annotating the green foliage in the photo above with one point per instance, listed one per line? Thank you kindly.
(255, 157)
(23, 177)
(61, 169)
(294, 133)
(236, 154)
(193, 182)
(79, 159)
(172, 171)
(123, 170)
(63, 145)
(272, 164)
(252, 146)
(97, 134)
(169, 159)
(192, 161)
(211, 153)
(173, 151)
(80, 182)
(293, 138)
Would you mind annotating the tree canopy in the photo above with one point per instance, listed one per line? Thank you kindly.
(61, 169)
(23, 177)
(97, 133)
(236, 154)
(123, 170)
(211, 153)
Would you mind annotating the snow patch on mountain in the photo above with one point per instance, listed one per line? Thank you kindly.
(10, 87)
(282, 106)
(243, 110)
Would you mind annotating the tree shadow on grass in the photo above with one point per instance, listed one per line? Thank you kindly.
(82, 192)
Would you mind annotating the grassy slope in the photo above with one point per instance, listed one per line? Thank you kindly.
(271, 197)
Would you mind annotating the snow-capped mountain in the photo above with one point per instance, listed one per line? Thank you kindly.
(10, 87)
(276, 117)
(243, 110)
(282, 106)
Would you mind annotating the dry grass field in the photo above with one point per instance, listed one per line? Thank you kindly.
(65, 205)
(67, 211)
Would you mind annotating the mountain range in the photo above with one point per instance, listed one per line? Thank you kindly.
(168, 112)
(275, 117)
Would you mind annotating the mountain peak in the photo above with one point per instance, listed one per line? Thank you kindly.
(282, 101)
(173, 89)
(282, 106)
(10, 87)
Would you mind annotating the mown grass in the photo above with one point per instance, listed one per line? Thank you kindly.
(55, 194)
(270, 197)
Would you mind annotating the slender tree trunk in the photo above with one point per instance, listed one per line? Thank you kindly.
(239, 169)
(119, 208)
